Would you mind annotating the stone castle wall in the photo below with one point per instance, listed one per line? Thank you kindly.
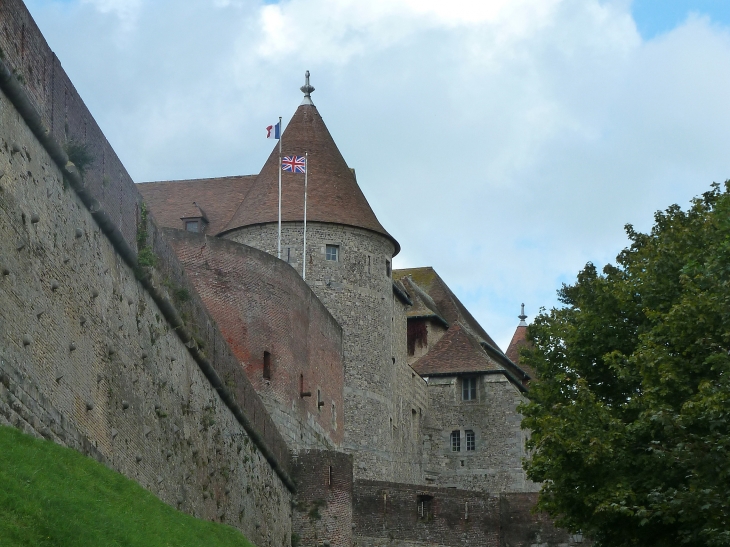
(398, 515)
(262, 305)
(357, 290)
(98, 354)
(496, 463)
(322, 514)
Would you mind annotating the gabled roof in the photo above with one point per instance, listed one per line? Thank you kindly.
(333, 195)
(433, 298)
(423, 305)
(457, 352)
(215, 200)
(448, 305)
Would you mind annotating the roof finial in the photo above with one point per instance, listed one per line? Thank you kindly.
(307, 89)
(522, 317)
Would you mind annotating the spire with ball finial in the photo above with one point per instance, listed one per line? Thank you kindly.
(307, 90)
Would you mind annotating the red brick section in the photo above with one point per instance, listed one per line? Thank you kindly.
(333, 193)
(391, 510)
(323, 508)
(457, 351)
(218, 198)
(456, 518)
(261, 304)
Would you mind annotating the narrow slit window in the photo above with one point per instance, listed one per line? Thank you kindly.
(329, 476)
(267, 365)
(470, 441)
(469, 389)
(387, 268)
(424, 506)
(456, 441)
(332, 253)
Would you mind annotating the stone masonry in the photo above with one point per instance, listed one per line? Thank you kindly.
(380, 391)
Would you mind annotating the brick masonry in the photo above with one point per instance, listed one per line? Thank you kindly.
(381, 391)
(322, 512)
(88, 358)
(263, 305)
(398, 515)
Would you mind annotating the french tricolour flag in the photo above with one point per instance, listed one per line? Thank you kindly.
(273, 131)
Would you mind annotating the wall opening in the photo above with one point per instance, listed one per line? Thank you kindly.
(267, 365)
(424, 506)
(456, 441)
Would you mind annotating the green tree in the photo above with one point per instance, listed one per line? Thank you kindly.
(630, 416)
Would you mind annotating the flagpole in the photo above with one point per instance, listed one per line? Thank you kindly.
(306, 174)
(281, 134)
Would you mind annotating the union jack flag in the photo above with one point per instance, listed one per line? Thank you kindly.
(293, 164)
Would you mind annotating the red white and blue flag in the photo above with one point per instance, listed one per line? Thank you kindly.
(273, 131)
(293, 164)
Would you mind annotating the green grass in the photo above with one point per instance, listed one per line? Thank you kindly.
(50, 495)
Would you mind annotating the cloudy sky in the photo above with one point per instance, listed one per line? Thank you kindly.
(503, 142)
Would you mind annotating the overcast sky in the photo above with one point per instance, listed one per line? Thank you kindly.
(503, 142)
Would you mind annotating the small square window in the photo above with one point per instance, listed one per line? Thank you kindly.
(470, 440)
(456, 441)
(469, 389)
(192, 226)
(333, 253)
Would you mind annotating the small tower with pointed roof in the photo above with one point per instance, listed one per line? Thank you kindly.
(519, 340)
(348, 266)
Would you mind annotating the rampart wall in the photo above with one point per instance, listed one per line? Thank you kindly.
(263, 306)
(399, 515)
(322, 513)
(100, 351)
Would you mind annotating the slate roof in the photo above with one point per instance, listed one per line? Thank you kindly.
(333, 194)
(457, 352)
(452, 354)
(448, 305)
(214, 199)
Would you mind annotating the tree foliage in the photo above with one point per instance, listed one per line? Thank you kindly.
(630, 417)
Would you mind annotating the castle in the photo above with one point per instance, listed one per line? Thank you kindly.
(306, 395)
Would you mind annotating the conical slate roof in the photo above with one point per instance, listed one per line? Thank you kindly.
(333, 195)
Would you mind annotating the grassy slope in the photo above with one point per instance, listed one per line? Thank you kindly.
(50, 495)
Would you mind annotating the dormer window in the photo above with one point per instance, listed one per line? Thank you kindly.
(194, 219)
(192, 226)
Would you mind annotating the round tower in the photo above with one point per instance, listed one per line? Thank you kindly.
(348, 265)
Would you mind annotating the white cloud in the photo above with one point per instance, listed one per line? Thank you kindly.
(505, 143)
(125, 10)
